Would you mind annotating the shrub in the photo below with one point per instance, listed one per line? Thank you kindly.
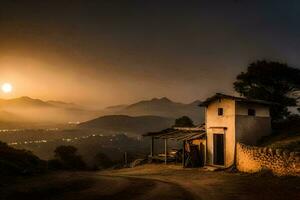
(184, 121)
(18, 162)
(102, 161)
(66, 158)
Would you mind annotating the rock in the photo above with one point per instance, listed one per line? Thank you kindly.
(138, 162)
(278, 152)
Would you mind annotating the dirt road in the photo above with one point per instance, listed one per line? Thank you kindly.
(218, 185)
(152, 182)
(89, 186)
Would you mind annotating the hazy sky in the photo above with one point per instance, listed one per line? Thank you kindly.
(113, 52)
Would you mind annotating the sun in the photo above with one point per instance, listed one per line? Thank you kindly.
(6, 87)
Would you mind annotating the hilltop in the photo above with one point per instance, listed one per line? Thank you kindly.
(163, 107)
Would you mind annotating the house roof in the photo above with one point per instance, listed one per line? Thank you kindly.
(179, 133)
(240, 99)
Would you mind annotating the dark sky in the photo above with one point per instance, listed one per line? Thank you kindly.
(112, 52)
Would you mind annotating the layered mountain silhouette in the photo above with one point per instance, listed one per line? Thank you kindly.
(145, 116)
(124, 123)
(26, 109)
(163, 107)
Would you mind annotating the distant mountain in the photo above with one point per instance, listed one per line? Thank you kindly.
(23, 101)
(163, 107)
(115, 108)
(124, 123)
(62, 104)
(26, 109)
(29, 110)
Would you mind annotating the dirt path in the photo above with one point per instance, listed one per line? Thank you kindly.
(218, 185)
(116, 188)
(139, 188)
(90, 186)
(152, 182)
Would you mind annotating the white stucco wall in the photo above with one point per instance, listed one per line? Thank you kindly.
(261, 110)
(214, 124)
(250, 129)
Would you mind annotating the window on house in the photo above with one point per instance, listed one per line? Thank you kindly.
(251, 112)
(220, 111)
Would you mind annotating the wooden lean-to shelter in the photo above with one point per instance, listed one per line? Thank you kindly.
(193, 144)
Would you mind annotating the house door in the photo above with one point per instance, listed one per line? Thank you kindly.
(218, 149)
(195, 156)
(202, 154)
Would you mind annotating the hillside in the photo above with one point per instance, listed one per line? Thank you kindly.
(18, 162)
(284, 142)
(286, 135)
(163, 107)
(124, 123)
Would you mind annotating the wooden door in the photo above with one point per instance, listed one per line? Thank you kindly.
(202, 154)
(218, 153)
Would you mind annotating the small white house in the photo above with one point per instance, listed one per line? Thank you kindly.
(230, 119)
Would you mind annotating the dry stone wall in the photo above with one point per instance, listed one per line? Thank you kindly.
(254, 159)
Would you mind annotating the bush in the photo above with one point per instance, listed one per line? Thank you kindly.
(184, 121)
(102, 161)
(66, 158)
(19, 162)
(290, 125)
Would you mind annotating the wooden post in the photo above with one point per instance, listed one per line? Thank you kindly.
(166, 150)
(183, 153)
(152, 147)
(125, 158)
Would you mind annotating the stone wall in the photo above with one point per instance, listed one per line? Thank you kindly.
(254, 159)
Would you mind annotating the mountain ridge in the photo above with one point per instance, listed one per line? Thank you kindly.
(136, 125)
(164, 107)
(36, 110)
(27, 109)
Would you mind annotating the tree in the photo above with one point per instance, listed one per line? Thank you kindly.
(271, 81)
(66, 157)
(184, 121)
(102, 161)
(65, 152)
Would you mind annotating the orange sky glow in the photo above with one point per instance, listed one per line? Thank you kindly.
(101, 54)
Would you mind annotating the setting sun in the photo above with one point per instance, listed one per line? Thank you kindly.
(6, 87)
